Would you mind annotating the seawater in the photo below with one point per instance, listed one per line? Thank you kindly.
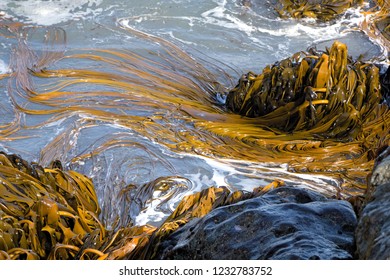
(227, 38)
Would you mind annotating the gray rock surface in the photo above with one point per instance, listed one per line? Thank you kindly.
(373, 231)
(286, 223)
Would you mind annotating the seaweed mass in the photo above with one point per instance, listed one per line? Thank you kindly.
(318, 112)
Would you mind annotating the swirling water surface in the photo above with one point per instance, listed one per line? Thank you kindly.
(131, 94)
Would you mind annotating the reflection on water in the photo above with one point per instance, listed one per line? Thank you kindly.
(145, 119)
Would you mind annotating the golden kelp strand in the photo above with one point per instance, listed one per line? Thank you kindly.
(132, 244)
(164, 83)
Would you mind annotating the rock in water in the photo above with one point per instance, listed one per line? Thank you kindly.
(372, 234)
(286, 223)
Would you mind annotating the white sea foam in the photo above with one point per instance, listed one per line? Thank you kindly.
(256, 173)
(4, 68)
(222, 16)
(149, 214)
(51, 12)
(260, 31)
(294, 28)
(219, 16)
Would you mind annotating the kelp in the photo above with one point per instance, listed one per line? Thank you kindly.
(171, 99)
(324, 94)
(321, 10)
(50, 213)
(324, 97)
(316, 112)
(44, 208)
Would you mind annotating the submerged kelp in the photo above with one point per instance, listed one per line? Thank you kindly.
(321, 10)
(50, 213)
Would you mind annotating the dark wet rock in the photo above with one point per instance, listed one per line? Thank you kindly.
(286, 223)
(385, 85)
(373, 231)
(381, 173)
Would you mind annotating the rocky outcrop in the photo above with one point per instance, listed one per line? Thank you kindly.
(286, 223)
(373, 231)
